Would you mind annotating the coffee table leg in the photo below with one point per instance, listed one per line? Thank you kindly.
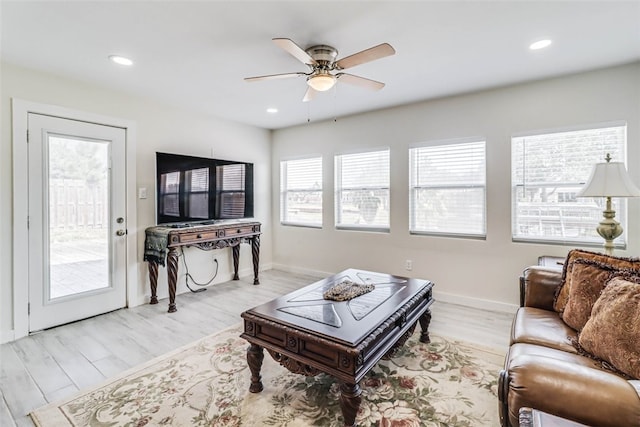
(425, 320)
(350, 398)
(255, 356)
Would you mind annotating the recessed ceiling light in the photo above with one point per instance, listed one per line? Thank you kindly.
(121, 60)
(272, 110)
(540, 44)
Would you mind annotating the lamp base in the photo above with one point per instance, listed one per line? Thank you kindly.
(609, 229)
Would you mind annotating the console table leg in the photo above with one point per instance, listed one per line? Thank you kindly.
(425, 320)
(255, 254)
(236, 260)
(172, 277)
(153, 281)
(350, 398)
(255, 356)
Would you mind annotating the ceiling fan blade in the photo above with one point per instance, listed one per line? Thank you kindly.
(359, 81)
(273, 77)
(295, 51)
(310, 94)
(366, 55)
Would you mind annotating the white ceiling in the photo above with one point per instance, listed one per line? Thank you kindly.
(195, 54)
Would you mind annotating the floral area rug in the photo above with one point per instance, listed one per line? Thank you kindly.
(445, 383)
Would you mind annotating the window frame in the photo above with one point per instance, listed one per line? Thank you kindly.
(414, 187)
(619, 204)
(338, 190)
(284, 190)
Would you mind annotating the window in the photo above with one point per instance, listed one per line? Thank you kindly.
(301, 192)
(548, 170)
(362, 190)
(447, 188)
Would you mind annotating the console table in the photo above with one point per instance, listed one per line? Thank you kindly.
(163, 242)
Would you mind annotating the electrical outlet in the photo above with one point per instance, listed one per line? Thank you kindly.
(408, 265)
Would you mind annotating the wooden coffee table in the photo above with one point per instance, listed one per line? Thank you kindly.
(308, 335)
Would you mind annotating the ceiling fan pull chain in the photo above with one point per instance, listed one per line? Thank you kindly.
(335, 96)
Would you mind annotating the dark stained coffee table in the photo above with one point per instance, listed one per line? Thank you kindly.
(308, 335)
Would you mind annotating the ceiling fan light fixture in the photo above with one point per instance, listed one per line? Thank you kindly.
(321, 82)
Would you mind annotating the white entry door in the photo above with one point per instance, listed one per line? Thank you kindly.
(77, 222)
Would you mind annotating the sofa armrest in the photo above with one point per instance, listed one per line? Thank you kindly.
(564, 388)
(538, 287)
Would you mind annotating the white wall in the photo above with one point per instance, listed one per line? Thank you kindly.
(159, 128)
(472, 271)
(477, 272)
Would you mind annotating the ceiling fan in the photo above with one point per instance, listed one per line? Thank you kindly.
(321, 60)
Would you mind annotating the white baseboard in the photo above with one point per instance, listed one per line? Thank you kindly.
(243, 272)
(483, 304)
(7, 336)
(479, 303)
(300, 270)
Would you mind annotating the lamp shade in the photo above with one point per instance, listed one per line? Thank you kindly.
(609, 180)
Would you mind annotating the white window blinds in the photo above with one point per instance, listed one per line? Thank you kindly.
(301, 192)
(448, 189)
(548, 170)
(362, 190)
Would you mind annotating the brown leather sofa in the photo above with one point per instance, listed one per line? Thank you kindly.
(544, 370)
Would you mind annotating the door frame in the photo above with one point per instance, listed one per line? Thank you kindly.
(20, 111)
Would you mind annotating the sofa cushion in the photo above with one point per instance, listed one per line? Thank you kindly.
(579, 393)
(542, 327)
(562, 293)
(613, 331)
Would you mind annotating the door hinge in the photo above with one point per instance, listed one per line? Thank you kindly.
(28, 308)
(27, 135)
(28, 222)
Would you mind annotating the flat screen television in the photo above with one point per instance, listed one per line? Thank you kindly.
(199, 189)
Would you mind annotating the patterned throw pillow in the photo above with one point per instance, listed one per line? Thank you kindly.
(588, 278)
(613, 331)
(562, 293)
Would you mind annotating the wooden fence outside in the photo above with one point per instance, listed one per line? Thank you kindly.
(76, 205)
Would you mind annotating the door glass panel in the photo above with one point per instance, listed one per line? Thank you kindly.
(78, 243)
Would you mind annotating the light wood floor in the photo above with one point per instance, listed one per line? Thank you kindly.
(56, 363)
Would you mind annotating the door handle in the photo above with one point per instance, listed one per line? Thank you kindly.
(121, 233)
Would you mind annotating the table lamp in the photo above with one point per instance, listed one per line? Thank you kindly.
(609, 180)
